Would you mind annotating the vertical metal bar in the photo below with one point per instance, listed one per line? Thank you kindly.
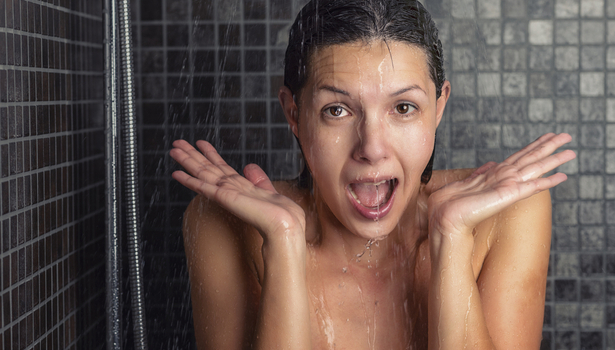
(113, 300)
(131, 193)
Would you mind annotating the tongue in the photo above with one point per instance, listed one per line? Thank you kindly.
(371, 195)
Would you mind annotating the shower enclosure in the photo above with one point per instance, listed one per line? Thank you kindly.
(210, 70)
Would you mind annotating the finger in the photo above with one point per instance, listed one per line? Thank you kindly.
(543, 166)
(543, 150)
(544, 183)
(212, 155)
(529, 148)
(258, 177)
(483, 169)
(191, 151)
(203, 170)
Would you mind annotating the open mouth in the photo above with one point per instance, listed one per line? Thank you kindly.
(373, 199)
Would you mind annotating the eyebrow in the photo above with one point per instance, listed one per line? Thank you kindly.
(406, 89)
(334, 90)
(346, 93)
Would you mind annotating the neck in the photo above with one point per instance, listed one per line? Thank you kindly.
(330, 236)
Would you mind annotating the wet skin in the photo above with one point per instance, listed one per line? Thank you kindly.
(467, 254)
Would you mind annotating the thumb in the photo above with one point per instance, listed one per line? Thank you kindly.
(257, 176)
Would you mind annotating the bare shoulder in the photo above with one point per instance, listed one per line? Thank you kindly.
(224, 285)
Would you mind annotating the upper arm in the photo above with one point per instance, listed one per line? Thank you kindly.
(513, 278)
(224, 291)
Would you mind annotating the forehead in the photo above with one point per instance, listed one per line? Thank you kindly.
(391, 63)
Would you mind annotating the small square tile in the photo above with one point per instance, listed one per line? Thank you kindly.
(541, 85)
(565, 213)
(462, 136)
(540, 32)
(566, 315)
(591, 340)
(610, 32)
(463, 158)
(610, 162)
(540, 110)
(592, 8)
(515, 8)
(567, 110)
(463, 59)
(515, 58)
(488, 136)
(464, 84)
(591, 213)
(569, 168)
(591, 161)
(461, 110)
(592, 32)
(464, 32)
(592, 109)
(567, 58)
(462, 9)
(565, 290)
(592, 84)
(610, 8)
(565, 239)
(567, 32)
(540, 8)
(515, 32)
(515, 110)
(489, 8)
(541, 57)
(568, 190)
(491, 110)
(491, 32)
(610, 135)
(592, 58)
(592, 136)
(489, 84)
(567, 84)
(592, 290)
(610, 58)
(566, 8)
(591, 187)
(610, 84)
(514, 84)
(610, 214)
(610, 110)
(489, 59)
(514, 136)
(592, 316)
(609, 192)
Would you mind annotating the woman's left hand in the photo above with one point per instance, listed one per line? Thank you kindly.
(457, 208)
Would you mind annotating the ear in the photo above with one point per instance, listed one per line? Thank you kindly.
(441, 103)
(291, 112)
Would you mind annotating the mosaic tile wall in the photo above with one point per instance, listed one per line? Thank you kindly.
(52, 175)
(210, 70)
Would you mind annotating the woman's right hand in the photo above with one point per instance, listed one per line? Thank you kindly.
(252, 198)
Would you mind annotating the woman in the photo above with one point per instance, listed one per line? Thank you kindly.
(378, 253)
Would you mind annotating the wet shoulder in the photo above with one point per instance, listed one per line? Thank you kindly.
(498, 238)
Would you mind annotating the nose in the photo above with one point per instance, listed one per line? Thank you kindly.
(372, 142)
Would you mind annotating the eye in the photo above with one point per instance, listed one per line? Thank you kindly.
(336, 111)
(404, 108)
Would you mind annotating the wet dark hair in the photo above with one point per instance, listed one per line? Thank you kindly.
(323, 23)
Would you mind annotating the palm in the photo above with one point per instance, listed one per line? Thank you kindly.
(461, 205)
(252, 198)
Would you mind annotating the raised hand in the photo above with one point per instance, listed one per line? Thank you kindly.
(251, 198)
(459, 206)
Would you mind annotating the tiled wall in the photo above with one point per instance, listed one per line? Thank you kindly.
(52, 182)
(210, 70)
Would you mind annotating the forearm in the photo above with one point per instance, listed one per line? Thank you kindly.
(456, 317)
(284, 319)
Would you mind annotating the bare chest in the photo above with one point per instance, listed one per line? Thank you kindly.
(368, 308)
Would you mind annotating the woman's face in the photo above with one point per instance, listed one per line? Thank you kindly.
(366, 123)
